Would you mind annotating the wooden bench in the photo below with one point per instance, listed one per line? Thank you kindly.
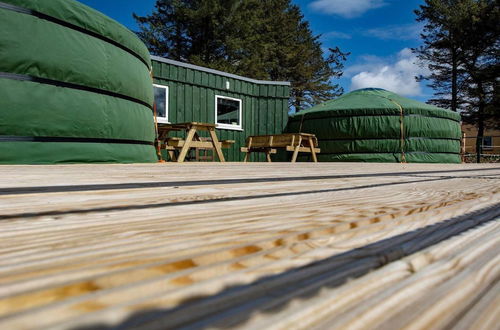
(202, 144)
(192, 140)
(201, 153)
(293, 142)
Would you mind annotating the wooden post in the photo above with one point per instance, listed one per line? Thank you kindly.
(171, 154)
(217, 145)
(249, 145)
(463, 146)
(268, 156)
(187, 144)
(296, 151)
(313, 152)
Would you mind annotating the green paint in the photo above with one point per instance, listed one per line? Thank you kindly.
(192, 98)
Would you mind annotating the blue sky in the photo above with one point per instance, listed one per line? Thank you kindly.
(378, 33)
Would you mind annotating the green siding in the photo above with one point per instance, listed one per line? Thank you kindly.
(192, 98)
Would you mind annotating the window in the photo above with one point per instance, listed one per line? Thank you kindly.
(161, 103)
(487, 142)
(228, 112)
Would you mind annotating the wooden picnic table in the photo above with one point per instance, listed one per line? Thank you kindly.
(294, 142)
(192, 140)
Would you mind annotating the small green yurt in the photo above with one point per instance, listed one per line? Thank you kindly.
(375, 125)
(75, 86)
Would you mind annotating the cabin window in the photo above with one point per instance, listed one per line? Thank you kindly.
(228, 112)
(487, 142)
(161, 103)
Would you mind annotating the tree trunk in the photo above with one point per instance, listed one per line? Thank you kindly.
(479, 140)
(454, 77)
(480, 124)
(297, 103)
(178, 44)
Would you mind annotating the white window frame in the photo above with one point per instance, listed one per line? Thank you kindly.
(228, 126)
(488, 146)
(163, 120)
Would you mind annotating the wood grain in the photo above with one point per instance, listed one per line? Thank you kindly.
(110, 244)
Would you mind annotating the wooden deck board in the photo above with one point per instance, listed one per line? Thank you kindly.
(103, 244)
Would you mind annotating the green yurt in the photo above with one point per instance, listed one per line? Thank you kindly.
(375, 125)
(75, 86)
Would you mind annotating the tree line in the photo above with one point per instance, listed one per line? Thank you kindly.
(271, 40)
(268, 40)
(461, 47)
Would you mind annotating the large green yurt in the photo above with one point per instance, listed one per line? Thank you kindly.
(375, 125)
(75, 86)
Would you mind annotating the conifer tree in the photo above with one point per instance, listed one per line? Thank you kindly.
(441, 52)
(480, 46)
(462, 49)
(260, 39)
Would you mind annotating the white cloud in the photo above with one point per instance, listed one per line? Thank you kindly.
(396, 32)
(336, 35)
(346, 8)
(396, 76)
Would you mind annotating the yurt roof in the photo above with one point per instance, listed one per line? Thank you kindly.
(84, 18)
(376, 101)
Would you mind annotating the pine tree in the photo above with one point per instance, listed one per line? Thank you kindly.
(260, 39)
(461, 47)
(480, 46)
(441, 52)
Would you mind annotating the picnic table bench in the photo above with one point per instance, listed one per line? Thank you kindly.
(192, 140)
(293, 142)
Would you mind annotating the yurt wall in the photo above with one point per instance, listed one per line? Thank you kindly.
(375, 125)
(75, 86)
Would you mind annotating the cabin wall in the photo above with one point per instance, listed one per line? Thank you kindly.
(493, 135)
(192, 94)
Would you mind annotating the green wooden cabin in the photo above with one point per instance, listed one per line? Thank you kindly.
(239, 106)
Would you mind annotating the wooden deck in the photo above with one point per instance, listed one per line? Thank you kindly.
(287, 246)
